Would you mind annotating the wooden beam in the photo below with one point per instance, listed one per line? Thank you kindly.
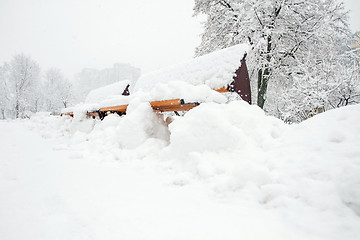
(92, 114)
(222, 90)
(121, 108)
(175, 108)
(71, 114)
(156, 104)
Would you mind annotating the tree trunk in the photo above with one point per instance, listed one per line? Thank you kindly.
(263, 76)
(17, 109)
(263, 79)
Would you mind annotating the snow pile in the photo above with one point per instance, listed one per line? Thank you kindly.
(172, 90)
(130, 131)
(332, 140)
(215, 70)
(81, 109)
(98, 94)
(222, 128)
(308, 173)
(221, 171)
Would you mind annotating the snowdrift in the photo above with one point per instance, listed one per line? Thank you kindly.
(222, 171)
(307, 175)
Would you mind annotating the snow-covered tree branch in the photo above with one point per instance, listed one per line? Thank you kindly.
(298, 60)
(57, 90)
(22, 91)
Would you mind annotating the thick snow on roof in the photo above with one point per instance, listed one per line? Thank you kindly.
(215, 70)
(99, 94)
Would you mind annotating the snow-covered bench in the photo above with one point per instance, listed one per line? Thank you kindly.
(177, 88)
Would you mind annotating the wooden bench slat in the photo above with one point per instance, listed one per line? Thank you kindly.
(171, 105)
(160, 103)
(92, 114)
(173, 108)
(121, 108)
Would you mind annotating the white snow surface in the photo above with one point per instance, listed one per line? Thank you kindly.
(81, 109)
(222, 171)
(215, 70)
(97, 95)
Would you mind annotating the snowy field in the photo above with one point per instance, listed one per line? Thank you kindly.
(222, 171)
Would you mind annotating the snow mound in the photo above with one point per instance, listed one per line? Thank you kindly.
(227, 166)
(215, 70)
(98, 94)
(308, 173)
(224, 127)
(333, 140)
(138, 126)
(81, 109)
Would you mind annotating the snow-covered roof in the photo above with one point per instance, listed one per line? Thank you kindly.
(192, 81)
(99, 94)
(215, 70)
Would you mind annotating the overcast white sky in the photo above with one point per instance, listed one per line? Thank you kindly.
(73, 34)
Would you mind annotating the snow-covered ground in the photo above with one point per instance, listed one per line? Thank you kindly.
(222, 171)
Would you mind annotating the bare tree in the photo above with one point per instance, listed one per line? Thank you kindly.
(4, 91)
(57, 90)
(24, 75)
